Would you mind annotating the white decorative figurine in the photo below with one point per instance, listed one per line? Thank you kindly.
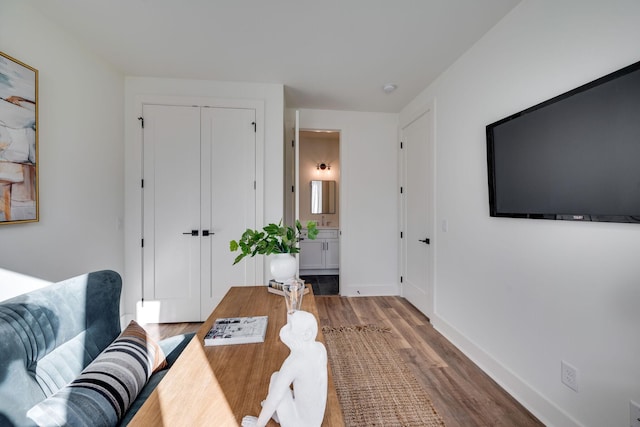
(306, 369)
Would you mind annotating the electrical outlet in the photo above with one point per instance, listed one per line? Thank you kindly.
(634, 414)
(569, 375)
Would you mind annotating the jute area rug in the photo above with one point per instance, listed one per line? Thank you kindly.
(374, 386)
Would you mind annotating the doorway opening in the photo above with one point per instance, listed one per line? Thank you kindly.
(319, 197)
(320, 163)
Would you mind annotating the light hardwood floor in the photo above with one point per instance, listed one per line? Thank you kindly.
(463, 394)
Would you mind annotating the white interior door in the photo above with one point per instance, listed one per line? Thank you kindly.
(290, 173)
(296, 167)
(171, 204)
(417, 155)
(199, 193)
(228, 201)
(296, 179)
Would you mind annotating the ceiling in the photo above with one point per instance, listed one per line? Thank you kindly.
(329, 54)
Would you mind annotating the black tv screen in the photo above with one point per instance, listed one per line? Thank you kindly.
(573, 157)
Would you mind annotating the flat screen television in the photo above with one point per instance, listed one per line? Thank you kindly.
(573, 157)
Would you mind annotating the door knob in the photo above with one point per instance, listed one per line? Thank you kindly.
(425, 241)
(193, 233)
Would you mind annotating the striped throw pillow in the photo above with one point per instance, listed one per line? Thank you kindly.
(105, 389)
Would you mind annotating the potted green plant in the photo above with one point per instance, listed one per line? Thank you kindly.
(278, 239)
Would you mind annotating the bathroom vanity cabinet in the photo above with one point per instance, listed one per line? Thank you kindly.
(322, 255)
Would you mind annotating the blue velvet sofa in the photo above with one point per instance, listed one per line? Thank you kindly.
(50, 335)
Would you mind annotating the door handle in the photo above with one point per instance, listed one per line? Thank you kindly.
(206, 233)
(192, 232)
(425, 241)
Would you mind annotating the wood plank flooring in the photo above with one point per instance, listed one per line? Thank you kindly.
(463, 394)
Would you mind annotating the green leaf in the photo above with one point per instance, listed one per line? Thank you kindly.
(312, 230)
(272, 229)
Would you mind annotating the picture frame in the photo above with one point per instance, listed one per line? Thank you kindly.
(19, 189)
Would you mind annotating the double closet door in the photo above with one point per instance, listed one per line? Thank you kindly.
(198, 194)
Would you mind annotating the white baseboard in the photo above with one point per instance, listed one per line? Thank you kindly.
(369, 290)
(545, 410)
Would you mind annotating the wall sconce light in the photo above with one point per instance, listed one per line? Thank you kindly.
(323, 166)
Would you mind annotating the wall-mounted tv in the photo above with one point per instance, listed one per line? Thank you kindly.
(573, 157)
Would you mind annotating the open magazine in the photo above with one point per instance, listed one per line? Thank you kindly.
(237, 330)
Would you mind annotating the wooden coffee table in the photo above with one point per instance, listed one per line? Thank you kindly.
(219, 385)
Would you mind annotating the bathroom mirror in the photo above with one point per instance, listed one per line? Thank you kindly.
(323, 197)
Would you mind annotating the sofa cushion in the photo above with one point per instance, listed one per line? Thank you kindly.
(106, 388)
(172, 348)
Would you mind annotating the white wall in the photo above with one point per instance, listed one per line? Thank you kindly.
(80, 153)
(520, 295)
(368, 197)
(269, 139)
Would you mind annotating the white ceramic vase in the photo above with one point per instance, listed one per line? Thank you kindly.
(283, 267)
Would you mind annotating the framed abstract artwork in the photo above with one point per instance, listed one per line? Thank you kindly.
(18, 141)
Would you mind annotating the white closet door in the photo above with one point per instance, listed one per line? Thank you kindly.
(418, 163)
(199, 193)
(228, 201)
(171, 203)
